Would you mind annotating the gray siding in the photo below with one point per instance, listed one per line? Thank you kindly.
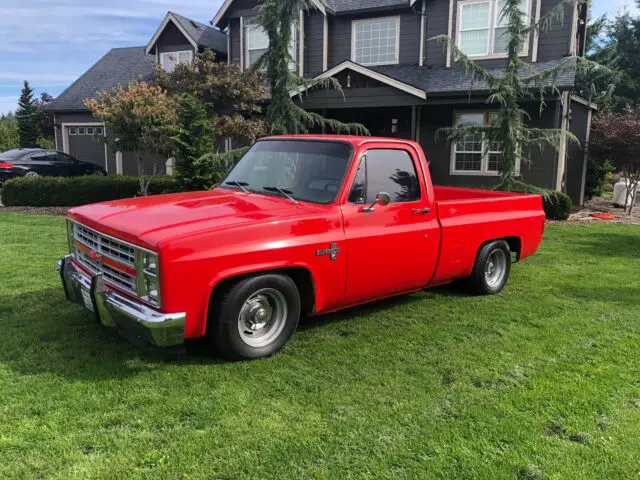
(234, 31)
(172, 40)
(340, 36)
(313, 43)
(436, 24)
(554, 43)
(539, 171)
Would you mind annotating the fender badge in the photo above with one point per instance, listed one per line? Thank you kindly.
(332, 251)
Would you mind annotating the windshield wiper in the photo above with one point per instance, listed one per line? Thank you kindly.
(282, 191)
(241, 185)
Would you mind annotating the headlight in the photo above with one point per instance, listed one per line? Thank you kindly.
(70, 237)
(148, 277)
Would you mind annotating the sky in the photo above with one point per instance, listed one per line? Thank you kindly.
(51, 43)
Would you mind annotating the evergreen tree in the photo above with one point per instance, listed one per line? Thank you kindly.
(284, 116)
(518, 82)
(194, 139)
(27, 115)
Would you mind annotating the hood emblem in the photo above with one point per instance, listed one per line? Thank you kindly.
(332, 251)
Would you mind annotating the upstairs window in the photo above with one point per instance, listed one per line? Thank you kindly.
(482, 32)
(169, 60)
(376, 41)
(257, 43)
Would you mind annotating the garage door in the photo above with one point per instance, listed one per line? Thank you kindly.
(83, 144)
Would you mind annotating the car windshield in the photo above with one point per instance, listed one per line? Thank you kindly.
(14, 154)
(304, 170)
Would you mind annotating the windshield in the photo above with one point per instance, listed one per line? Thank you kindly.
(305, 170)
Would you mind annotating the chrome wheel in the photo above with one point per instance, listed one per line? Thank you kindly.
(495, 268)
(262, 317)
(31, 174)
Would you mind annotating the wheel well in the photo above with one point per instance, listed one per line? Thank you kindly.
(300, 276)
(515, 245)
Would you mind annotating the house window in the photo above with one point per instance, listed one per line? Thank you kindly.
(257, 43)
(99, 131)
(482, 32)
(169, 60)
(90, 130)
(472, 154)
(376, 41)
(72, 131)
(81, 130)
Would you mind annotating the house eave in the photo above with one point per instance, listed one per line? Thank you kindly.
(169, 18)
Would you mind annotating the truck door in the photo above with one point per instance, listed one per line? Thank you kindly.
(390, 248)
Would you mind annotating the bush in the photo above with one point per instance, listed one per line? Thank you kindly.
(74, 191)
(210, 169)
(598, 175)
(557, 205)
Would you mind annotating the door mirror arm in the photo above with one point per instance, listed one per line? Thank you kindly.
(383, 198)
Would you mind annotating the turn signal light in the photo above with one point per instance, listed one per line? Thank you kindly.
(6, 165)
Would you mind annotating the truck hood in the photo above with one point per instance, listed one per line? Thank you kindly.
(149, 221)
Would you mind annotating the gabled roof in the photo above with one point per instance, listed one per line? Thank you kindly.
(424, 82)
(319, 4)
(120, 66)
(378, 76)
(348, 6)
(198, 34)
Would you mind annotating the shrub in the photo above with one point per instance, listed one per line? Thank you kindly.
(557, 205)
(599, 173)
(211, 168)
(74, 191)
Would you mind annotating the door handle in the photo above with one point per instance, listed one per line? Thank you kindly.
(420, 211)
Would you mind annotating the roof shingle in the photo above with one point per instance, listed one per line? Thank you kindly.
(119, 66)
(202, 34)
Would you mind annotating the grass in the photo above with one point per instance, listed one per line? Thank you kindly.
(541, 381)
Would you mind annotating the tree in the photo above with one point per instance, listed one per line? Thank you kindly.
(46, 131)
(27, 115)
(139, 119)
(193, 140)
(508, 131)
(616, 137)
(9, 133)
(284, 116)
(231, 97)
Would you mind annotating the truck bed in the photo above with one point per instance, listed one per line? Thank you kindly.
(469, 216)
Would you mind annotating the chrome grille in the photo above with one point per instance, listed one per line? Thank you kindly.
(107, 246)
(115, 277)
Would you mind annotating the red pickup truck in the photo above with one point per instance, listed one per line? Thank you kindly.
(301, 225)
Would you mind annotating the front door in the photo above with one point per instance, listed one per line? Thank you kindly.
(393, 248)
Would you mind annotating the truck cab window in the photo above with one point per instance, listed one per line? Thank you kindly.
(390, 171)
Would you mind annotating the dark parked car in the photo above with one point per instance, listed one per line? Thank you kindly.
(36, 162)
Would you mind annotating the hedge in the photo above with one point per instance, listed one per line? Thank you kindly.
(557, 205)
(74, 191)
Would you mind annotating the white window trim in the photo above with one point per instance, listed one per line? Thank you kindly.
(177, 53)
(483, 172)
(297, 40)
(493, 20)
(396, 18)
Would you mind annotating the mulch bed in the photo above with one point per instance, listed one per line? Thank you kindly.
(600, 210)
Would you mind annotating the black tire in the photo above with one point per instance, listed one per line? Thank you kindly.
(481, 282)
(228, 331)
(97, 173)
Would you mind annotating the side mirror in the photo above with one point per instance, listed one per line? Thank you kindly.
(383, 198)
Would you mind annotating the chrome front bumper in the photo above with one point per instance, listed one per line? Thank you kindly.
(116, 311)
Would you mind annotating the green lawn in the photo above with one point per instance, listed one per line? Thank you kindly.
(542, 381)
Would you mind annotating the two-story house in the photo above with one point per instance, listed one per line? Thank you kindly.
(176, 41)
(399, 83)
